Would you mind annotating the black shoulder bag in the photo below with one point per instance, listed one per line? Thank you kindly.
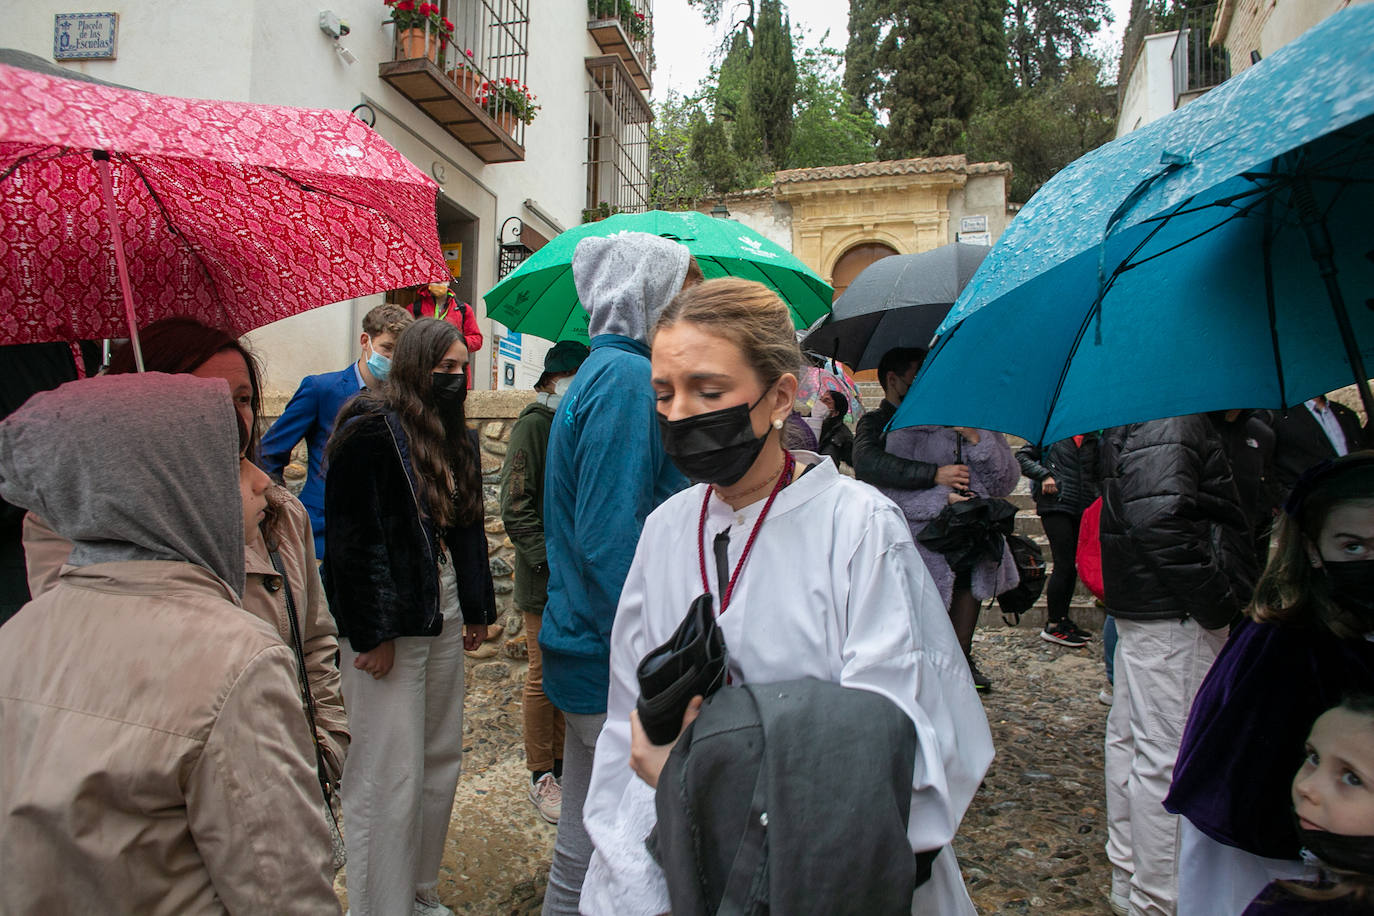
(331, 797)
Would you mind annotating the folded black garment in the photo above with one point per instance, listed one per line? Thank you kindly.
(691, 663)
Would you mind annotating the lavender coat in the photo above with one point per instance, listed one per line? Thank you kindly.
(993, 471)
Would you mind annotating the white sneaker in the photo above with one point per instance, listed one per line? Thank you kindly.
(1120, 899)
(429, 908)
(1105, 695)
(547, 796)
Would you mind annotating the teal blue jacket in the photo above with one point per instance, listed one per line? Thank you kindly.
(606, 471)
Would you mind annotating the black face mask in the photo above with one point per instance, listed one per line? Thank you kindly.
(717, 447)
(1351, 586)
(1351, 853)
(450, 389)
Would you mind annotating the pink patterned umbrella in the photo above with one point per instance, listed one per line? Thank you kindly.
(832, 376)
(234, 214)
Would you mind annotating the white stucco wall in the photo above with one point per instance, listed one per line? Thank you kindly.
(1150, 86)
(766, 215)
(273, 52)
(982, 195)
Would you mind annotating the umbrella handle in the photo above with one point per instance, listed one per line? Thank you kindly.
(102, 165)
(1319, 243)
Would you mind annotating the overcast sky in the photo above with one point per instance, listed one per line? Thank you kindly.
(683, 44)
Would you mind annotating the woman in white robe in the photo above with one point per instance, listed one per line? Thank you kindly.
(833, 588)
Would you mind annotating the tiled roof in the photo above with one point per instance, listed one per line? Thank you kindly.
(958, 163)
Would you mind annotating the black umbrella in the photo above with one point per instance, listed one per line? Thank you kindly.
(897, 301)
(970, 532)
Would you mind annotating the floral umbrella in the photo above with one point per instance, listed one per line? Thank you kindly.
(119, 207)
(832, 376)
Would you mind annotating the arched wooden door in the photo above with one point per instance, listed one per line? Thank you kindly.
(853, 261)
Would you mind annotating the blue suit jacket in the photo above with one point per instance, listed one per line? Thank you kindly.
(310, 415)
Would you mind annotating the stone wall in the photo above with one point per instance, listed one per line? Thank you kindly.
(492, 414)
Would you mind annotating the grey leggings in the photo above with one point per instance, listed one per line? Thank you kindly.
(573, 848)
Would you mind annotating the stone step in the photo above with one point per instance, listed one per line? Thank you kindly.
(1084, 612)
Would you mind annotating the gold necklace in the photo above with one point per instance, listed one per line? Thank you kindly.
(771, 477)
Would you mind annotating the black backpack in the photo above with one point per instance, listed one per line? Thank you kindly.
(1030, 563)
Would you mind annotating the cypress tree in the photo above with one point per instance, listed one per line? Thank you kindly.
(771, 91)
(932, 64)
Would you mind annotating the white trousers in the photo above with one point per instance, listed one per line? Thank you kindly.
(403, 764)
(1159, 666)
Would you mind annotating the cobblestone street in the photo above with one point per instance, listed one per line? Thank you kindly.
(1032, 840)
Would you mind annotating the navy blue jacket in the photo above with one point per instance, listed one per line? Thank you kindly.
(310, 416)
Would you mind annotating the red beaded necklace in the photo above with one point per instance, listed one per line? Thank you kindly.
(788, 464)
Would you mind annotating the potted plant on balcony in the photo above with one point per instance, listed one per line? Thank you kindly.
(464, 74)
(507, 100)
(603, 9)
(635, 23)
(420, 29)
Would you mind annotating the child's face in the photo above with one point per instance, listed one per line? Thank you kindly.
(1347, 534)
(1334, 788)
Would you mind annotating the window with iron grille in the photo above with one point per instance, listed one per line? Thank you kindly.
(480, 46)
(618, 119)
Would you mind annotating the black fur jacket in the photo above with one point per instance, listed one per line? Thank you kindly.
(380, 572)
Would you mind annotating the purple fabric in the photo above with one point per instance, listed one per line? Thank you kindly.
(993, 472)
(1248, 726)
(1275, 900)
(797, 435)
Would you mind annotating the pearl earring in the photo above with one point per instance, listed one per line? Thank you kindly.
(777, 424)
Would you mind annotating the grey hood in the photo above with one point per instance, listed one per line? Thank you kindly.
(132, 467)
(625, 280)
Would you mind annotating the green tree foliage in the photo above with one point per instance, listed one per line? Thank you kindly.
(675, 179)
(770, 104)
(827, 130)
(1045, 127)
(770, 93)
(933, 63)
(713, 155)
(732, 77)
(1043, 36)
(860, 72)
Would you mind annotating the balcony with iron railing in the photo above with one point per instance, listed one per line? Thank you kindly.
(625, 28)
(618, 119)
(468, 73)
(1197, 66)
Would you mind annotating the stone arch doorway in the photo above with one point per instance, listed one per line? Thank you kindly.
(853, 261)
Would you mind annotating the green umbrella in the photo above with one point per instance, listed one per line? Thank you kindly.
(539, 298)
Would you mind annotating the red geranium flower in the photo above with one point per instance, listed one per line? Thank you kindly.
(448, 26)
(406, 6)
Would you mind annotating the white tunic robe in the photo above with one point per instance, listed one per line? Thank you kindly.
(833, 589)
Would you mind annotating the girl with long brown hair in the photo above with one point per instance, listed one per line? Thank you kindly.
(410, 588)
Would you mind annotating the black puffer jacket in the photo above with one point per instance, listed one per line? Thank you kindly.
(381, 574)
(1074, 469)
(873, 464)
(1175, 541)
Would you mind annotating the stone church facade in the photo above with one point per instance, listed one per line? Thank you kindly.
(839, 219)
